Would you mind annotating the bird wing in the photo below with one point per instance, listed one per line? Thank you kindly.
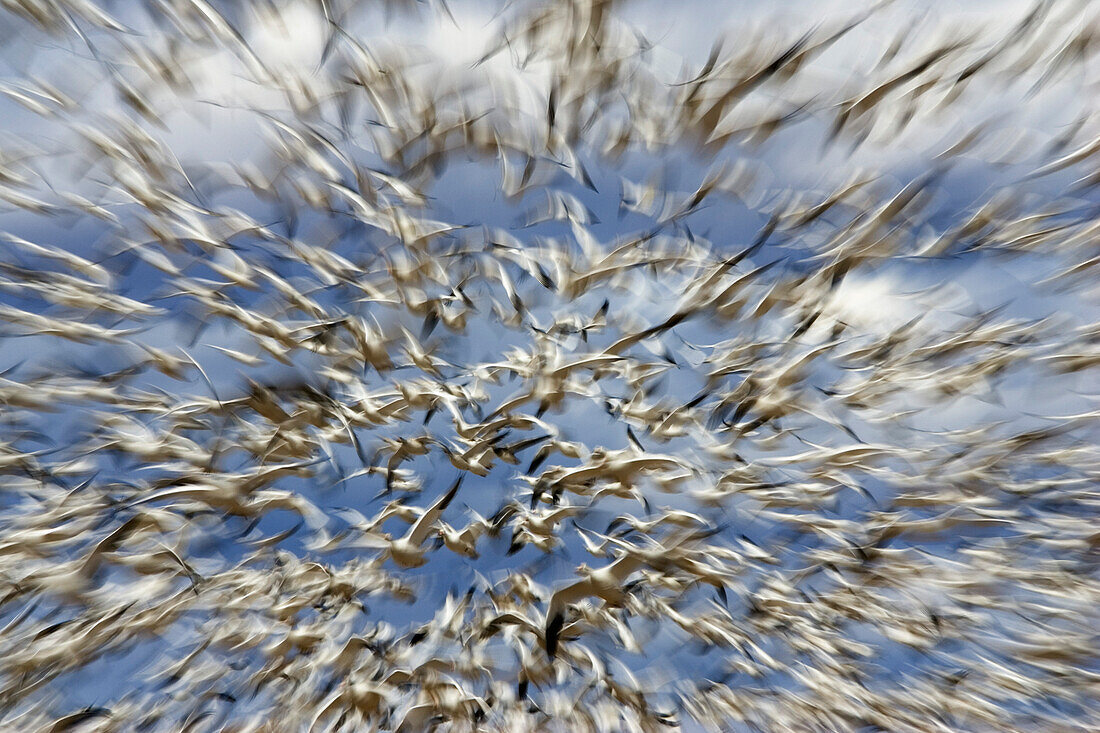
(621, 569)
(555, 611)
(370, 540)
(419, 530)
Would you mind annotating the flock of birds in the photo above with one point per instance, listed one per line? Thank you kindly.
(300, 440)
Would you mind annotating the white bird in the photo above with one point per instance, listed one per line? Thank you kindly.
(408, 550)
(605, 583)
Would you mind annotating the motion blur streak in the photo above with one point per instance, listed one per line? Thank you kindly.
(549, 365)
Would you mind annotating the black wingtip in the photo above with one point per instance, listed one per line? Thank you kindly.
(431, 320)
(452, 491)
(553, 629)
(536, 494)
(514, 546)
